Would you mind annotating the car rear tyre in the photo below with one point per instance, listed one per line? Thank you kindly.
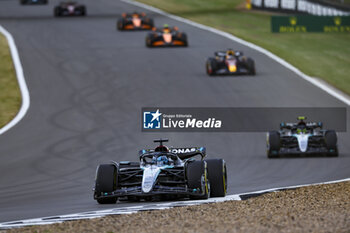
(120, 24)
(106, 182)
(197, 178)
(211, 66)
(273, 144)
(217, 177)
(57, 11)
(149, 41)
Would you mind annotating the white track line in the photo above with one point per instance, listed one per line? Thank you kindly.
(293, 187)
(21, 81)
(135, 209)
(315, 81)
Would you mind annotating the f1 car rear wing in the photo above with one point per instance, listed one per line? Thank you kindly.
(182, 153)
(310, 125)
(130, 15)
(223, 53)
(186, 153)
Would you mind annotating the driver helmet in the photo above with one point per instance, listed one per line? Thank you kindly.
(162, 160)
(135, 15)
(230, 53)
(166, 28)
(301, 123)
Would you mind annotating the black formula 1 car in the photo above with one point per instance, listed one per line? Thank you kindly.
(166, 37)
(33, 2)
(135, 21)
(69, 9)
(230, 62)
(162, 173)
(301, 138)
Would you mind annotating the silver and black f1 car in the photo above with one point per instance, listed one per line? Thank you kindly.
(33, 2)
(166, 37)
(135, 21)
(162, 172)
(301, 138)
(230, 62)
(69, 9)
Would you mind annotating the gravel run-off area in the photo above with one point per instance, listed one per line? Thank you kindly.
(320, 208)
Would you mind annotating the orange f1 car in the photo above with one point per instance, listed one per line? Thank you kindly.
(135, 21)
(165, 37)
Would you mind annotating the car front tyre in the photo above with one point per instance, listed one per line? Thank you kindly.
(57, 11)
(331, 139)
(217, 176)
(149, 41)
(251, 66)
(83, 11)
(273, 144)
(106, 182)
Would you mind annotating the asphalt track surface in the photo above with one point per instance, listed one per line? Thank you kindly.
(88, 83)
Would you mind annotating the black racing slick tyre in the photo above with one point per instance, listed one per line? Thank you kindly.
(57, 11)
(120, 24)
(251, 66)
(331, 139)
(83, 11)
(151, 23)
(197, 178)
(106, 181)
(211, 66)
(184, 39)
(149, 40)
(273, 144)
(217, 176)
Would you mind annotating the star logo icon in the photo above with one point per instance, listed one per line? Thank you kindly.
(156, 115)
(152, 119)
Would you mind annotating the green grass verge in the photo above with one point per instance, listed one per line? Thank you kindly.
(326, 56)
(10, 96)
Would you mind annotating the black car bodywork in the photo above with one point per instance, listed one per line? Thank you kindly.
(135, 21)
(223, 64)
(33, 2)
(302, 138)
(166, 37)
(183, 177)
(69, 9)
